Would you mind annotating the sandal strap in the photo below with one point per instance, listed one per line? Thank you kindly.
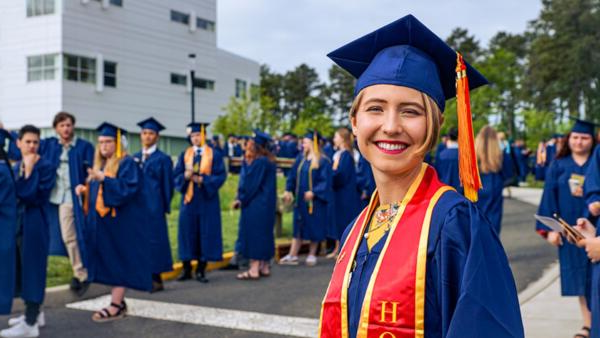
(104, 313)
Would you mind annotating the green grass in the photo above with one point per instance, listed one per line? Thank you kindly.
(59, 270)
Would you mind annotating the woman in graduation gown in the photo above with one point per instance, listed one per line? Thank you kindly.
(34, 179)
(421, 260)
(346, 196)
(563, 195)
(199, 174)
(364, 181)
(447, 162)
(309, 183)
(157, 186)
(8, 227)
(490, 158)
(116, 234)
(257, 197)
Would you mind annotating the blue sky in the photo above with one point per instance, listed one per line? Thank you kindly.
(286, 33)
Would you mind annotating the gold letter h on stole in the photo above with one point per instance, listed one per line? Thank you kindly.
(393, 311)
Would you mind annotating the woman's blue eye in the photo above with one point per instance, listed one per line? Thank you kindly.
(374, 108)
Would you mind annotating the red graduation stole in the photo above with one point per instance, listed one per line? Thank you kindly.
(394, 304)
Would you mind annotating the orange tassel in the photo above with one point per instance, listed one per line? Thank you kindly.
(467, 163)
(202, 136)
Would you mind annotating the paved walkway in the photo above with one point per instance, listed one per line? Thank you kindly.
(545, 313)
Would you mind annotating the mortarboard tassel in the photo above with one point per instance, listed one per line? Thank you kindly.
(119, 147)
(467, 163)
(317, 154)
(202, 136)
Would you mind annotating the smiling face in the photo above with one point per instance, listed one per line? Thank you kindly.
(580, 143)
(390, 125)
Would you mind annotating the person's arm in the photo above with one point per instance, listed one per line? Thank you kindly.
(36, 188)
(119, 190)
(179, 181)
(290, 183)
(549, 202)
(167, 184)
(344, 171)
(322, 180)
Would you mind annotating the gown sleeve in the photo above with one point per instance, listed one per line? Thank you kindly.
(322, 180)
(475, 286)
(119, 190)
(253, 177)
(591, 186)
(549, 203)
(211, 183)
(35, 189)
(344, 171)
(290, 183)
(167, 184)
(179, 180)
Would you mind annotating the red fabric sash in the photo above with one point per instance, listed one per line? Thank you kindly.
(394, 304)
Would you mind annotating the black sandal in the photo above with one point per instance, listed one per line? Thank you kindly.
(247, 276)
(581, 335)
(104, 315)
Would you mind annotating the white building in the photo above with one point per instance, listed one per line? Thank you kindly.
(115, 60)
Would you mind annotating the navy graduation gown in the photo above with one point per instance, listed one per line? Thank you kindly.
(440, 147)
(328, 150)
(491, 201)
(447, 168)
(199, 234)
(521, 161)
(157, 189)
(33, 225)
(365, 181)
(591, 188)
(257, 191)
(346, 196)
(8, 227)
(81, 157)
(470, 291)
(313, 226)
(118, 247)
(557, 198)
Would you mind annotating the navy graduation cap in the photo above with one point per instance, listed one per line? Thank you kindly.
(261, 138)
(196, 127)
(405, 53)
(109, 129)
(311, 133)
(584, 127)
(152, 124)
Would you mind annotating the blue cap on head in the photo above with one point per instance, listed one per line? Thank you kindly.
(109, 129)
(261, 138)
(196, 127)
(405, 53)
(151, 124)
(310, 133)
(583, 127)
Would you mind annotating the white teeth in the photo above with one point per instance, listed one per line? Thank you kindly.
(391, 146)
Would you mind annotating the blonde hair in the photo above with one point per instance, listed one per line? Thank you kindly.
(433, 120)
(488, 151)
(346, 135)
(110, 165)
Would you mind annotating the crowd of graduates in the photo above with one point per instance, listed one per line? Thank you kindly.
(105, 209)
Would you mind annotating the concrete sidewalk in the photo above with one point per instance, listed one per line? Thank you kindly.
(546, 314)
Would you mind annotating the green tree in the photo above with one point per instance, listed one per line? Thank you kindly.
(340, 94)
(314, 116)
(466, 44)
(298, 85)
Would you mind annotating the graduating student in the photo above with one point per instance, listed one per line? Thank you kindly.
(257, 197)
(117, 222)
(490, 158)
(365, 181)
(8, 228)
(563, 195)
(446, 164)
(421, 260)
(346, 196)
(11, 149)
(34, 179)
(70, 157)
(309, 183)
(157, 189)
(199, 174)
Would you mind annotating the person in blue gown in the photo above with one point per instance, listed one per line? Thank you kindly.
(157, 189)
(446, 163)
(233, 149)
(34, 178)
(346, 196)
(405, 73)
(117, 239)
(309, 184)
(328, 148)
(440, 147)
(288, 149)
(199, 174)
(70, 157)
(365, 183)
(563, 195)
(257, 199)
(8, 143)
(521, 159)
(8, 228)
(490, 158)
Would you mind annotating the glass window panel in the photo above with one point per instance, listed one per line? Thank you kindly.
(71, 74)
(110, 67)
(48, 6)
(49, 60)
(110, 81)
(88, 64)
(117, 2)
(49, 73)
(34, 75)
(70, 61)
(178, 79)
(30, 10)
(34, 61)
(38, 8)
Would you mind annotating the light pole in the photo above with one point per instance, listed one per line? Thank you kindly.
(192, 59)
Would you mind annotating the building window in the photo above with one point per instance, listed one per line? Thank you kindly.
(205, 24)
(254, 92)
(179, 79)
(79, 68)
(180, 17)
(40, 7)
(114, 2)
(42, 67)
(110, 74)
(240, 88)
